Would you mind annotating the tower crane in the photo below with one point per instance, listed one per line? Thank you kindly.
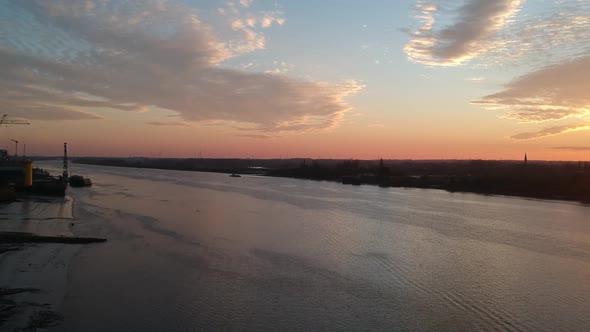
(3, 121)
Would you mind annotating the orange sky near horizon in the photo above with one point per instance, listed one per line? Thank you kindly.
(339, 143)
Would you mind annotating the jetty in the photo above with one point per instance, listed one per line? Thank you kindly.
(24, 237)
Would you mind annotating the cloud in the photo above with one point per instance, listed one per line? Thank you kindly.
(555, 40)
(551, 131)
(247, 25)
(280, 68)
(256, 136)
(172, 123)
(551, 93)
(573, 148)
(473, 31)
(559, 32)
(498, 32)
(138, 55)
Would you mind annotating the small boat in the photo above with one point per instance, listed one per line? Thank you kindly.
(234, 175)
(80, 181)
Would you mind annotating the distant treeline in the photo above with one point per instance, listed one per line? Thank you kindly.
(254, 166)
(553, 180)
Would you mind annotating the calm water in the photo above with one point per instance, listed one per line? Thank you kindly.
(200, 251)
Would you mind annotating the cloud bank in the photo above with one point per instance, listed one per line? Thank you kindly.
(554, 42)
(551, 131)
(68, 59)
(551, 93)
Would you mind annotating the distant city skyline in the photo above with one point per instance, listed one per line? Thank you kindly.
(424, 79)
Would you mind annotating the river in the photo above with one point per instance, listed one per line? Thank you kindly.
(190, 251)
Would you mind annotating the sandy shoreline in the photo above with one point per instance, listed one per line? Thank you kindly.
(33, 276)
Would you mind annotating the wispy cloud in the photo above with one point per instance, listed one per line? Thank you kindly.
(155, 54)
(551, 131)
(573, 148)
(248, 65)
(473, 31)
(557, 42)
(257, 136)
(247, 25)
(558, 32)
(280, 67)
(498, 32)
(551, 93)
(170, 123)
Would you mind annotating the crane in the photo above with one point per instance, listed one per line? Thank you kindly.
(15, 147)
(3, 121)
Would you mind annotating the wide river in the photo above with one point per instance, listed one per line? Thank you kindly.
(191, 251)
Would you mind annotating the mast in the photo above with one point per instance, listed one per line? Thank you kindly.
(65, 173)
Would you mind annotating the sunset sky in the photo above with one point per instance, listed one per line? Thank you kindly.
(425, 79)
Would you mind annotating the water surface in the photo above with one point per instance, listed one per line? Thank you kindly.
(191, 251)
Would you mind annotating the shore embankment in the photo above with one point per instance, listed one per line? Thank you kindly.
(33, 274)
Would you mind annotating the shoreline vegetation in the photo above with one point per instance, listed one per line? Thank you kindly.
(531, 179)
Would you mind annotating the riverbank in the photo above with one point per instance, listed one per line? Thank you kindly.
(568, 181)
(523, 187)
(33, 276)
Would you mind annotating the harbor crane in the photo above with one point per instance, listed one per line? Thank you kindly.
(3, 121)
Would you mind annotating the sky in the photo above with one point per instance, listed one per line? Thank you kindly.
(423, 79)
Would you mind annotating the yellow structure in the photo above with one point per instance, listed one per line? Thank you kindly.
(28, 170)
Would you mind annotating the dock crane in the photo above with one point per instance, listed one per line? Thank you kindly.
(3, 121)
